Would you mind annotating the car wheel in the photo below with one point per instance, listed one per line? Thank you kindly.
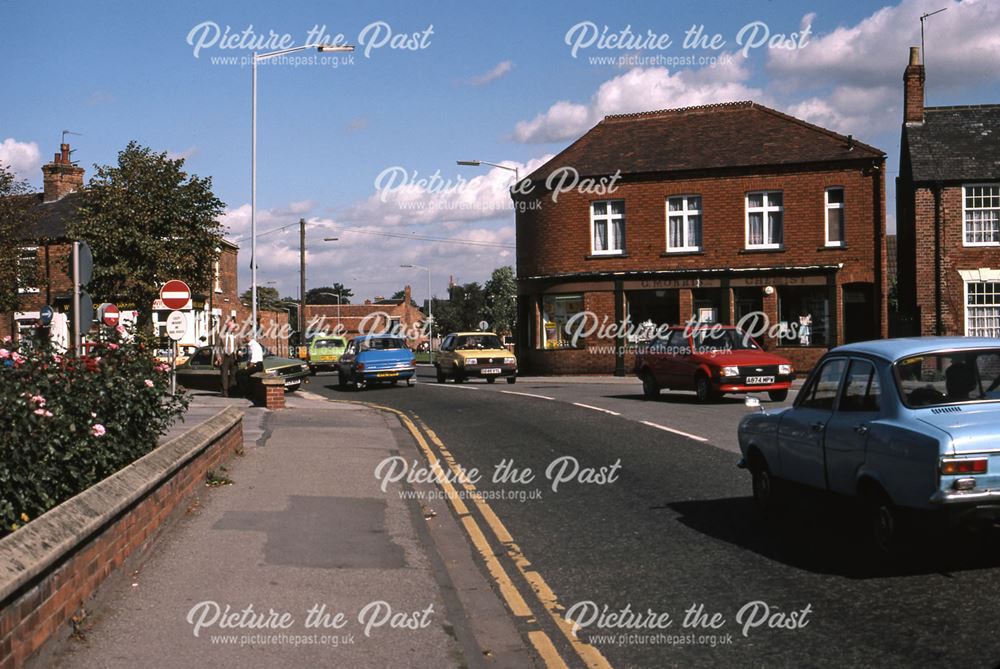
(440, 375)
(511, 379)
(341, 381)
(292, 388)
(766, 489)
(703, 388)
(490, 379)
(459, 378)
(778, 395)
(884, 524)
(394, 382)
(649, 388)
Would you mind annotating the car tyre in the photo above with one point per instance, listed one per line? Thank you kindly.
(649, 388)
(292, 388)
(778, 395)
(884, 525)
(511, 380)
(703, 389)
(490, 379)
(767, 492)
(459, 378)
(440, 374)
(341, 380)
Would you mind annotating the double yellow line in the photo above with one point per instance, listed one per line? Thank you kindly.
(590, 655)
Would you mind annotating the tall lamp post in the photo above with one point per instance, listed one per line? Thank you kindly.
(430, 309)
(339, 322)
(257, 57)
(477, 163)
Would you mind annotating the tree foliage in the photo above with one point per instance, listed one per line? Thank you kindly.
(17, 207)
(147, 221)
(464, 310)
(267, 298)
(501, 300)
(316, 296)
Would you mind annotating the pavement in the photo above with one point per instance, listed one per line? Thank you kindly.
(303, 560)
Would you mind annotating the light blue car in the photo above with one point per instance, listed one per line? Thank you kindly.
(905, 425)
(373, 359)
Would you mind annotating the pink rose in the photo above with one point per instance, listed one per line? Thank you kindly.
(43, 412)
(97, 430)
(149, 383)
(113, 346)
(38, 399)
(4, 354)
(120, 329)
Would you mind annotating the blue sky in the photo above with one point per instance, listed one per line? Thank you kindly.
(496, 82)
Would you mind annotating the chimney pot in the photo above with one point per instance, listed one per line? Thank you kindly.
(61, 177)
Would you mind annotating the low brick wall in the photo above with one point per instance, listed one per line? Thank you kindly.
(54, 564)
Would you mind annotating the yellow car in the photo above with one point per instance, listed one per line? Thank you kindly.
(474, 354)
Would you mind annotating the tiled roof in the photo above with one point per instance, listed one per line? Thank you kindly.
(51, 218)
(956, 143)
(729, 135)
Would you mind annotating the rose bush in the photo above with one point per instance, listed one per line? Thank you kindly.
(69, 422)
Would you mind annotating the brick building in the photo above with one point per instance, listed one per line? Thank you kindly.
(46, 248)
(710, 213)
(948, 213)
(352, 320)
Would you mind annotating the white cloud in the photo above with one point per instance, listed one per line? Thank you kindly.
(642, 89)
(23, 158)
(189, 152)
(963, 47)
(852, 110)
(501, 68)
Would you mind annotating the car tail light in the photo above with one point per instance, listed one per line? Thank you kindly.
(361, 366)
(964, 466)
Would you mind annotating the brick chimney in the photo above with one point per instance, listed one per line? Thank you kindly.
(406, 295)
(913, 89)
(61, 177)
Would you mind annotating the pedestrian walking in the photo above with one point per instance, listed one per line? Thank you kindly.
(226, 357)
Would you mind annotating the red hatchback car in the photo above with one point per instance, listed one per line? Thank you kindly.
(711, 360)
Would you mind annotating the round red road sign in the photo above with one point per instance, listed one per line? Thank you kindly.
(110, 315)
(175, 294)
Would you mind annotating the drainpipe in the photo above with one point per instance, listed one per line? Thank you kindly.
(938, 295)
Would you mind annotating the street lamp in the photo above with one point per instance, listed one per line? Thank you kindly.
(430, 309)
(477, 163)
(253, 161)
(339, 322)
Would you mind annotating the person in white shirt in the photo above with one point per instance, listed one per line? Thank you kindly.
(256, 362)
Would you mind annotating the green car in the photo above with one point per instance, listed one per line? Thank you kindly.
(199, 373)
(324, 352)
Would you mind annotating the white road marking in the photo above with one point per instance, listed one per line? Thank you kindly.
(587, 406)
(514, 392)
(456, 386)
(670, 429)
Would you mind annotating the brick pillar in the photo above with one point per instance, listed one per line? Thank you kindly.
(913, 89)
(769, 304)
(686, 304)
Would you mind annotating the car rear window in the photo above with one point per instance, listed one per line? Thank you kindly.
(329, 343)
(382, 343)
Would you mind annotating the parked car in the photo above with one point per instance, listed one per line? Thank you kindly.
(199, 371)
(711, 360)
(376, 359)
(184, 351)
(324, 352)
(903, 425)
(474, 354)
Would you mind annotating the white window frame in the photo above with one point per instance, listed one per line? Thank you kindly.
(843, 216)
(968, 320)
(613, 248)
(685, 214)
(217, 276)
(27, 290)
(965, 222)
(764, 210)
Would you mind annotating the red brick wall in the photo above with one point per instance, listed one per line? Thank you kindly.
(29, 618)
(53, 281)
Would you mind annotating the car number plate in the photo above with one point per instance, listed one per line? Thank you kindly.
(759, 380)
(491, 370)
(385, 374)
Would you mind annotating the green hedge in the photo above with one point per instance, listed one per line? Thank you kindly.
(70, 422)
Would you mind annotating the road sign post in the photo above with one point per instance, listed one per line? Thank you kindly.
(176, 327)
(109, 314)
(82, 310)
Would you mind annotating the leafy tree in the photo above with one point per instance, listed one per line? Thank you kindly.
(316, 296)
(16, 208)
(401, 295)
(501, 300)
(267, 298)
(148, 221)
(463, 311)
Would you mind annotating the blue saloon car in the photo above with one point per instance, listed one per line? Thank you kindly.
(372, 359)
(903, 425)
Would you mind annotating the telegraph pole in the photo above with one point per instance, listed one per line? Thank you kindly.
(302, 281)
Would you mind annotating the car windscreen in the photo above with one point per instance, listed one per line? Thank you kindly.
(723, 339)
(329, 343)
(477, 342)
(381, 344)
(950, 377)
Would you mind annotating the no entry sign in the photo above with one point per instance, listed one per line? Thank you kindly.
(175, 294)
(109, 314)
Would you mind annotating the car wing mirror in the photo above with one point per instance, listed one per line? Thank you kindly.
(752, 402)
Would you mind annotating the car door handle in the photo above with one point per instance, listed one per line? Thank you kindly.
(861, 429)
(818, 427)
